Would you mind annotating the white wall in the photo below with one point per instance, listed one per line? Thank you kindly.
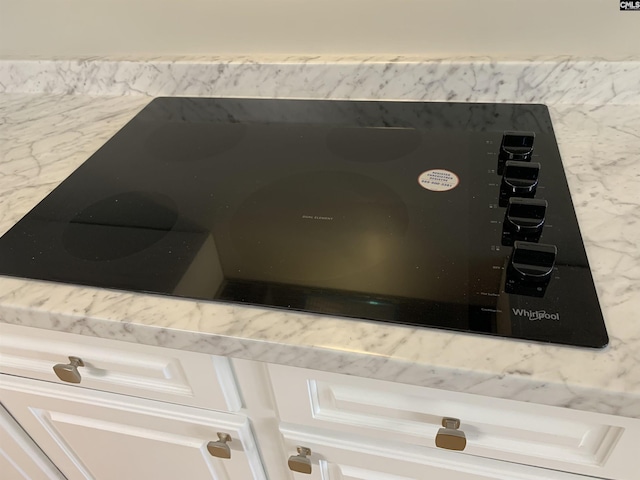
(431, 28)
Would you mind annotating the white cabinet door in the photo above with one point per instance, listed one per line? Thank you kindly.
(20, 458)
(98, 435)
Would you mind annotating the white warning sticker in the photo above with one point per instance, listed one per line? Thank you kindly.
(438, 180)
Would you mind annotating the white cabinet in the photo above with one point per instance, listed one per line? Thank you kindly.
(137, 412)
(410, 417)
(151, 412)
(97, 435)
(20, 457)
(352, 457)
(130, 368)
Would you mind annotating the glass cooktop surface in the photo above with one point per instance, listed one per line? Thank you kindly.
(446, 215)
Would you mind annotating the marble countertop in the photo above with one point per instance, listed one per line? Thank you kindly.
(45, 136)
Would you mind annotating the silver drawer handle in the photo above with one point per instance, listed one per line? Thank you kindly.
(450, 437)
(220, 448)
(301, 463)
(69, 372)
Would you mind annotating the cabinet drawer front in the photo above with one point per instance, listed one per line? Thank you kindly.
(346, 458)
(97, 435)
(130, 368)
(549, 437)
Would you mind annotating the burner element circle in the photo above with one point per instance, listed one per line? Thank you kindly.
(316, 226)
(185, 142)
(119, 226)
(372, 145)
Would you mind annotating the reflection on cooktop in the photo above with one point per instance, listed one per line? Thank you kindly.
(318, 225)
(367, 145)
(119, 226)
(183, 142)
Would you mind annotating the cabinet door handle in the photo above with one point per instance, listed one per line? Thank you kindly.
(220, 448)
(301, 463)
(69, 372)
(450, 437)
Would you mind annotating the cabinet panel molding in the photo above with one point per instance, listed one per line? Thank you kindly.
(95, 435)
(133, 369)
(538, 435)
(349, 457)
(20, 457)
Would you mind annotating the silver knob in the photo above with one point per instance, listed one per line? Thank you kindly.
(450, 437)
(69, 372)
(220, 448)
(301, 463)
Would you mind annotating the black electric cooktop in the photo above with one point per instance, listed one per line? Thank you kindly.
(447, 215)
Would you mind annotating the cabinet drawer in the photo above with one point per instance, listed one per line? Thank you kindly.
(144, 371)
(549, 437)
(346, 458)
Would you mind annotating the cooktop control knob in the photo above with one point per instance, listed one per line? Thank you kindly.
(530, 268)
(517, 145)
(519, 179)
(523, 220)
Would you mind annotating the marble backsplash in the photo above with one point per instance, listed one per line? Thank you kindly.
(560, 80)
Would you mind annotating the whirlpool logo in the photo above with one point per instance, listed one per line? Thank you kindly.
(535, 315)
(626, 5)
